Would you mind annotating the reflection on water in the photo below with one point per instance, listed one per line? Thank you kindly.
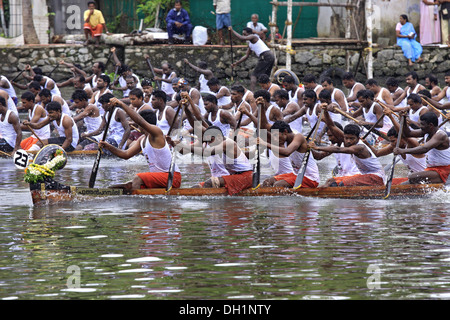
(218, 248)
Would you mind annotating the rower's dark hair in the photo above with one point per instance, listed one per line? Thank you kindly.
(283, 94)
(29, 96)
(325, 94)
(289, 79)
(202, 65)
(348, 76)
(309, 93)
(216, 128)
(392, 82)
(430, 118)
(34, 85)
(447, 74)
(45, 93)
(336, 124)
(281, 126)
(80, 95)
(124, 68)
(327, 80)
(146, 83)
(81, 78)
(366, 94)
(3, 102)
(352, 129)
(38, 77)
(149, 116)
(53, 106)
(101, 66)
(213, 81)
(37, 70)
(105, 78)
(264, 78)
(238, 88)
(263, 93)
(425, 92)
(432, 78)
(372, 82)
(138, 93)
(415, 98)
(392, 132)
(159, 94)
(309, 78)
(105, 98)
(413, 74)
(211, 98)
(248, 30)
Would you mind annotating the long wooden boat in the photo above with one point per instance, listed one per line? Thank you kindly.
(48, 193)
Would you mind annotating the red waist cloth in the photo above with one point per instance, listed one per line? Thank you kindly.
(159, 179)
(237, 182)
(443, 172)
(361, 180)
(291, 177)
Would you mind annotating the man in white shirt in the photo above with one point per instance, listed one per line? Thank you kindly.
(257, 27)
(223, 17)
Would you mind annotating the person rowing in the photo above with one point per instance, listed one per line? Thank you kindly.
(119, 129)
(154, 147)
(36, 114)
(288, 108)
(288, 152)
(436, 146)
(345, 163)
(90, 115)
(64, 124)
(219, 117)
(10, 131)
(371, 170)
(229, 166)
(414, 162)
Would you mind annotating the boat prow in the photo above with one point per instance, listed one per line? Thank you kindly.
(53, 192)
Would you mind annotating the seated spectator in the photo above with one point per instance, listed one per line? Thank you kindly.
(406, 36)
(94, 23)
(178, 22)
(257, 27)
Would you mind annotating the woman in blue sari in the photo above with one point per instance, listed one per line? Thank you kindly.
(406, 36)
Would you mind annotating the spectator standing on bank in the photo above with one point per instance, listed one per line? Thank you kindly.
(257, 27)
(178, 22)
(94, 23)
(445, 16)
(430, 27)
(223, 17)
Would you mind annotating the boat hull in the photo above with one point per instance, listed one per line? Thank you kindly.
(44, 193)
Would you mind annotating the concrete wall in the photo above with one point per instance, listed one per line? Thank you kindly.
(318, 60)
(386, 16)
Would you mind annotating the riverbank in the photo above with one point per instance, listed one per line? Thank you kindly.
(320, 60)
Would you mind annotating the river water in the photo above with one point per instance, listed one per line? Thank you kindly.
(217, 248)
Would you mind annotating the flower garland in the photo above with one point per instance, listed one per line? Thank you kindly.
(38, 173)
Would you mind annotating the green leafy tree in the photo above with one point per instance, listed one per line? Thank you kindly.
(157, 9)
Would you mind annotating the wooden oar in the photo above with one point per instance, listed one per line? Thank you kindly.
(384, 106)
(387, 191)
(15, 78)
(51, 72)
(34, 133)
(378, 133)
(174, 120)
(434, 108)
(158, 84)
(373, 127)
(256, 183)
(99, 153)
(302, 169)
(172, 161)
(237, 127)
(5, 154)
(115, 76)
(232, 56)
